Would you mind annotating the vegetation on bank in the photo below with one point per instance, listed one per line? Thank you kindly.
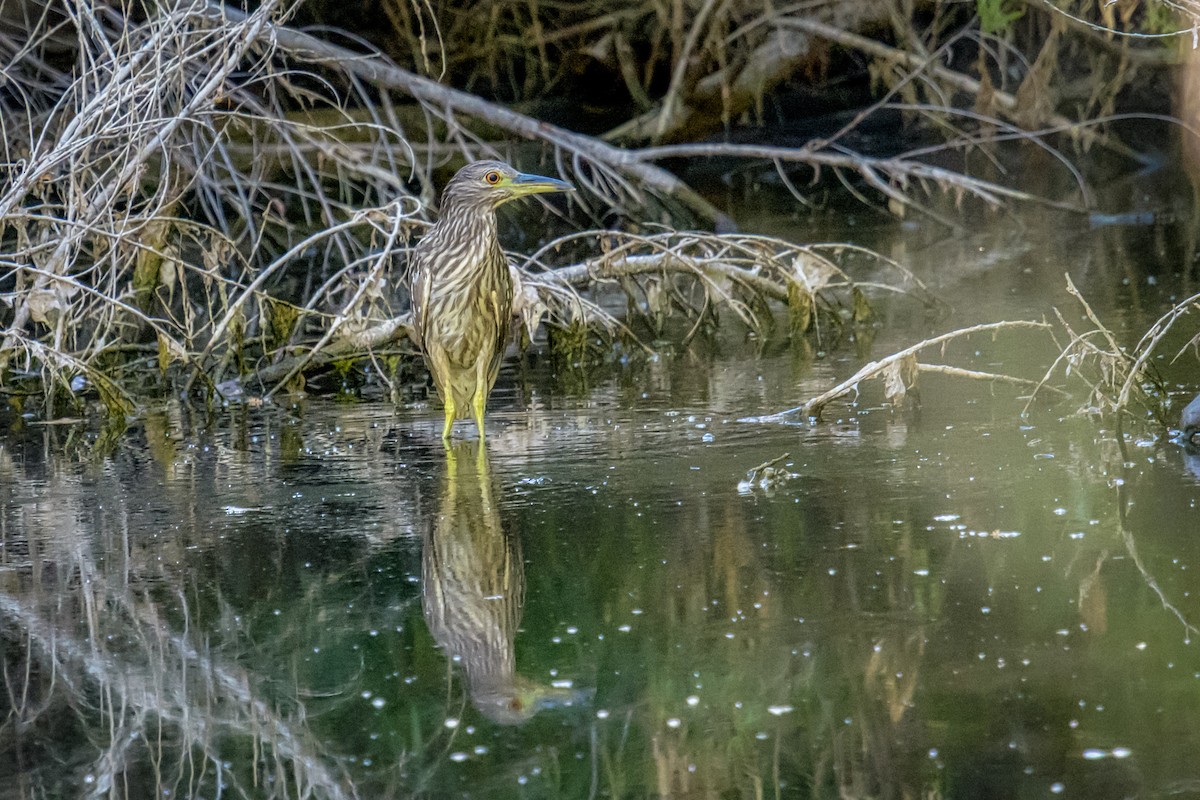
(214, 201)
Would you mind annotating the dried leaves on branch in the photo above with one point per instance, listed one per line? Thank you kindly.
(204, 194)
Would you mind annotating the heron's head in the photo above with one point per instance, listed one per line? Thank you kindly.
(487, 184)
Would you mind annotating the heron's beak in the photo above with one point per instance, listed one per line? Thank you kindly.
(523, 183)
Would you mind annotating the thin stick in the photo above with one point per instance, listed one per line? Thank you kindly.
(875, 367)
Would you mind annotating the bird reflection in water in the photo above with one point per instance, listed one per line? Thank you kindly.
(473, 589)
(1189, 436)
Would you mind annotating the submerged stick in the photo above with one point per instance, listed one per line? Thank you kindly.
(813, 407)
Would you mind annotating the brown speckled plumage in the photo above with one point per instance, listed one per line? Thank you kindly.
(461, 289)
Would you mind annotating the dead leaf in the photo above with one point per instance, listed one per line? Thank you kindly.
(168, 351)
(899, 378)
(527, 303)
(815, 273)
(800, 307)
(44, 306)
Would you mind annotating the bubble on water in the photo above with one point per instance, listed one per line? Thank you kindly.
(779, 711)
(458, 757)
(451, 723)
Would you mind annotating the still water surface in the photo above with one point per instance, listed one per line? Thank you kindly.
(314, 599)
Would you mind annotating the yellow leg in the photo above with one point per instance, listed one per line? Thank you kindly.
(478, 403)
(450, 414)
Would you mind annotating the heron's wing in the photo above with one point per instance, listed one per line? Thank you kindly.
(501, 300)
(420, 289)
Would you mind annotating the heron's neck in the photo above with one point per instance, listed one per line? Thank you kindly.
(472, 228)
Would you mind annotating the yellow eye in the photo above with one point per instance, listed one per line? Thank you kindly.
(492, 178)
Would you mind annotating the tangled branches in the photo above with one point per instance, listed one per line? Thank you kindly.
(143, 197)
(214, 193)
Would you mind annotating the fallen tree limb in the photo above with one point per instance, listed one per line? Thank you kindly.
(812, 408)
(899, 169)
(742, 273)
(995, 377)
(352, 344)
(382, 74)
(708, 105)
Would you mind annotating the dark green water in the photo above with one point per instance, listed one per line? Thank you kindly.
(313, 599)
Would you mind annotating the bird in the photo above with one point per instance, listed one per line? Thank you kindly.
(461, 289)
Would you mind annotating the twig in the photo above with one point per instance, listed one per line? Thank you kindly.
(1003, 100)
(872, 369)
(996, 377)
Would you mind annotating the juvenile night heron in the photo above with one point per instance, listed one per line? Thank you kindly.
(461, 289)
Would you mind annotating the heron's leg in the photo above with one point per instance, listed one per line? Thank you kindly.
(479, 401)
(450, 414)
(478, 404)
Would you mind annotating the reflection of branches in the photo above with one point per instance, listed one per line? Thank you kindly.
(140, 684)
(1149, 579)
(165, 680)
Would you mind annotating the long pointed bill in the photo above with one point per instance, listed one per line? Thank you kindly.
(524, 183)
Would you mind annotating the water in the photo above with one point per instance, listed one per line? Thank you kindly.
(315, 599)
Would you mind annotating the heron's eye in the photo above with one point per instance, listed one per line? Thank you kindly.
(492, 178)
